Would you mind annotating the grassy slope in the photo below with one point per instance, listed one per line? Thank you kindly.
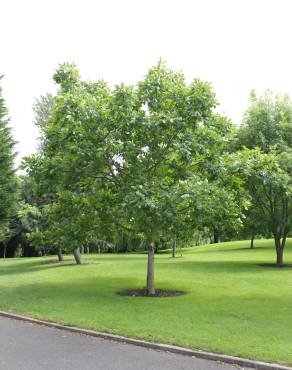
(233, 306)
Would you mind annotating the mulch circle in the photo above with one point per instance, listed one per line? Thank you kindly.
(274, 265)
(144, 293)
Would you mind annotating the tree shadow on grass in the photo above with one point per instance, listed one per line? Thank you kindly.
(241, 249)
(11, 266)
(37, 265)
(90, 294)
(217, 267)
(54, 295)
(20, 268)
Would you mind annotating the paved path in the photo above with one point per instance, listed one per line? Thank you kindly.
(25, 346)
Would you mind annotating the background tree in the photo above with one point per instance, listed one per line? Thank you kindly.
(269, 182)
(267, 125)
(70, 169)
(42, 108)
(8, 180)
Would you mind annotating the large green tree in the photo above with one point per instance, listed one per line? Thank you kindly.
(171, 135)
(138, 158)
(8, 181)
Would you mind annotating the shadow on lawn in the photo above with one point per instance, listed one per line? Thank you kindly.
(100, 291)
(241, 249)
(36, 265)
(219, 267)
(21, 268)
(92, 294)
(208, 266)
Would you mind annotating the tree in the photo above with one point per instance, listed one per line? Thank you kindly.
(267, 125)
(128, 154)
(66, 170)
(69, 223)
(8, 181)
(269, 182)
(43, 108)
(170, 136)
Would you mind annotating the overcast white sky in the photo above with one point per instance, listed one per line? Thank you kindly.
(237, 45)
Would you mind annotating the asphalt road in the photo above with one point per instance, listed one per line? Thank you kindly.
(25, 346)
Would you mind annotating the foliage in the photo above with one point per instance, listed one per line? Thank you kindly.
(267, 123)
(270, 188)
(8, 181)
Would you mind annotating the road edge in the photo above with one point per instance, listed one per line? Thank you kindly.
(152, 345)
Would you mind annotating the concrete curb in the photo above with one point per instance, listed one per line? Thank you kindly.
(151, 345)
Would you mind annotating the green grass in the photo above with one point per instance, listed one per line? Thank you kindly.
(232, 305)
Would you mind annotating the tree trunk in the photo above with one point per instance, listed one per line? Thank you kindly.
(279, 257)
(150, 269)
(174, 249)
(82, 250)
(251, 241)
(98, 248)
(60, 255)
(77, 256)
(4, 249)
(87, 249)
(216, 235)
(279, 249)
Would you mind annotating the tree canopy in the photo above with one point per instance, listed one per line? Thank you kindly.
(145, 159)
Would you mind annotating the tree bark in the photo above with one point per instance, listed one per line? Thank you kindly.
(4, 249)
(279, 249)
(77, 256)
(60, 255)
(150, 269)
(251, 241)
(174, 248)
(216, 235)
(280, 257)
(87, 249)
(82, 250)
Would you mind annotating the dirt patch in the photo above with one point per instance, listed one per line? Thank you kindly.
(144, 293)
(274, 265)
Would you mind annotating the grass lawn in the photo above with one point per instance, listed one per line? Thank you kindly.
(232, 305)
